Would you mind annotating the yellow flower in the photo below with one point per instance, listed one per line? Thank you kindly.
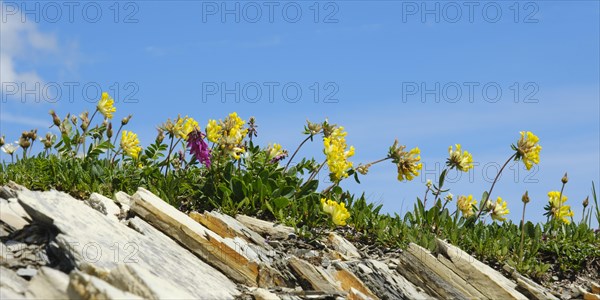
(213, 131)
(407, 162)
(463, 161)
(106, 105)
(498, 209)
(558, 209)
(465, 205)
(274, 150)
(528, 149)
(184, 126)
(229, 134)
(337, 155)
(130, 144)
(338, 211)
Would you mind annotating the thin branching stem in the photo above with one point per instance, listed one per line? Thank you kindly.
(493, 184)
(295, 152)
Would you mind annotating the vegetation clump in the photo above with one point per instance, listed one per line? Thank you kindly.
(220, 167)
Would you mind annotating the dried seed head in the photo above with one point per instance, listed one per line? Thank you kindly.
(586, 202)
(109, 131)
(125, 120)
(55, 118)
(565, 179)
(525, 197)
(161, 136)
(33, 134)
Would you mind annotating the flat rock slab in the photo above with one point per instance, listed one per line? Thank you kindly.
(89, 237)
(232, 256)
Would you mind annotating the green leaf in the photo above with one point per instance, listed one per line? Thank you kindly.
(281, 202)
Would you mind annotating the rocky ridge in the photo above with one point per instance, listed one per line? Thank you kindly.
(53, 246)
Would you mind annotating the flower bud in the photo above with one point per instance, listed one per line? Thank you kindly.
(33, 134)
(363, 169)
(24, 142)
(565, 179)
(429, 183)
(48, 141)
(160, 137)
(109, 131)
(74, 120)
(125, 120)
(314, 128)
(25, 135)
(55, 118)
(449, 197)
(586, 202)
(525, 197)
(1, 141)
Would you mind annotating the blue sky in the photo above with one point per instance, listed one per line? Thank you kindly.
(430, 74)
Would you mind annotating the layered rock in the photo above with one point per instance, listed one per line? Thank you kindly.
(138, 247)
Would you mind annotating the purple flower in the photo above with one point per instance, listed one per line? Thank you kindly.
(198, 147)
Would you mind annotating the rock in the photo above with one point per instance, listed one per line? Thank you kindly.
(227, 226)
(595, 287)
(123, 198)
(7, 193)
(350, 283)
(532, 289)
(26, 272)
(130, 278)
(265, 228)
(318, 279)
(231, 256)
(125, 201)
(481, 276)
(104, 205)
(10, 281)
(366, 270)
(262, 294)
(340, 244)
(6, 293)
(5, 253)
(84, 286)
(89, 237)
(14, 219)
(48, 284)
(423, 269)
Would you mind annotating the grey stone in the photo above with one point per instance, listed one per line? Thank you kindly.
(87, 236)
(26, 272)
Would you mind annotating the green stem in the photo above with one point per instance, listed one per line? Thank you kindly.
(560, 199)
(85, 132)
(312, 176)
(295, 152)
(522, 232)
(169, 156)
(493, 184)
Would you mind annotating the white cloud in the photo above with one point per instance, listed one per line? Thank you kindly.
(22, 120)
(22, 46)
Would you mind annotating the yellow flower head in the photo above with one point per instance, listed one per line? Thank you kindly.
(465, 205)
(229, 134)
(106, 105)
(184, 126)
(130, 144)
(337, 155)
(338, 211)
(463, 161)
(407, 162)
(274, 150)
(559, 210)
(213, 131)
(528, 149)
(498, 209)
